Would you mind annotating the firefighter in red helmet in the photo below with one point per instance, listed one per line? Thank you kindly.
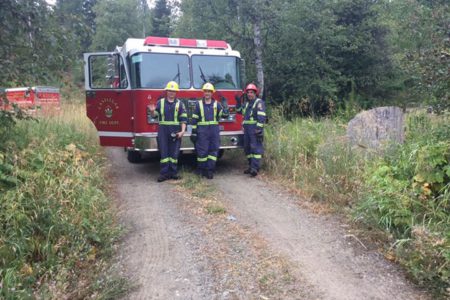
(254, 113)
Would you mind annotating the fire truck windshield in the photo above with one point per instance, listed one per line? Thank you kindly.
(222, 71)
(154, 70)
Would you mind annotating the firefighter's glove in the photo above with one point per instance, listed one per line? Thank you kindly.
(194, 136)
(238, 101)
(259, 135)
(179, 135)
(224, 102)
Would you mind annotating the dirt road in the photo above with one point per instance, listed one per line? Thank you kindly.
(239, 238)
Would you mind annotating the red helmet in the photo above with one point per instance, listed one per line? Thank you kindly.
(251, 87)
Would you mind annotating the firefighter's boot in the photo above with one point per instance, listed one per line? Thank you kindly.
(162, 178)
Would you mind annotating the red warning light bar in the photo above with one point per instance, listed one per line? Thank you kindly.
(186, 43)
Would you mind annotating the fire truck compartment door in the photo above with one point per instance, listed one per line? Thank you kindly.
(108, 98)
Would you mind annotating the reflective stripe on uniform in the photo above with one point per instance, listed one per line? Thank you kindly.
(175, 117)
(169, 159)
(260, 124)
(162, 110)
(211, 157)
(249, 122)
(253, 108)
(208, 123)
(245, 108)
(256, 156)
(261, 113)
(169, 123)
(177, 107)
(202, 159)
(203, 122)
(195, 116)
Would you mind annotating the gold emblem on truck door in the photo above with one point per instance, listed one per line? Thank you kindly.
(108, 112)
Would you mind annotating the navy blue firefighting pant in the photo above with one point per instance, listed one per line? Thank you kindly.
(169, 148)
(207, 147)
(253, 146)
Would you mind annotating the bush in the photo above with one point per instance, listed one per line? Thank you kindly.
(56, 221)
(408, 194)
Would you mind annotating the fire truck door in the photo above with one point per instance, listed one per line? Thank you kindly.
(108, 98)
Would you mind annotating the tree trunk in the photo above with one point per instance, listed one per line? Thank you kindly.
(257, 40)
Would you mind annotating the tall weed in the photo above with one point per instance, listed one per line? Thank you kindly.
(56, 220)
(407, 193)
(313, 155)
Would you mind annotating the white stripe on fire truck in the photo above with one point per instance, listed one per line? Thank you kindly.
(115, 134)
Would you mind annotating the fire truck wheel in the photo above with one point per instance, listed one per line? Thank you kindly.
(221, 152)
(134, 157)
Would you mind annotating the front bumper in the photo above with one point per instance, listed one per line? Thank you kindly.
(147, 142)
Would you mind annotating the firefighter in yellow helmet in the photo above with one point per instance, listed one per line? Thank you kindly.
(206, 131)
(172, 125)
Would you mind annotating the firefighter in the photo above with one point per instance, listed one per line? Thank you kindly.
(253, 111)
(206, 131)
(172, 125)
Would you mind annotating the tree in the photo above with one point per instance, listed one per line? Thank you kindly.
(78, 17)
(322, 53)
(161, 15)
(244, 24)
(32, 46)
(421, 36)
(116, 21)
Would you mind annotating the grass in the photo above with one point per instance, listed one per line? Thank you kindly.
(58, 227)
(205, 192)
(313, 156)
(215, 208)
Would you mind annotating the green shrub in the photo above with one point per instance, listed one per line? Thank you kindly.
(408, 194)
(56, 221)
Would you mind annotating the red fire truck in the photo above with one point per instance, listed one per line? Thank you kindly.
(121, 84)
(42, 98)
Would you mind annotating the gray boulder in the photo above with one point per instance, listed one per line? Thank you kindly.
(376, 128)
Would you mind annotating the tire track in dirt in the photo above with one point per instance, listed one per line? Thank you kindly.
(242, 265)
(318, 245)
(158, 253)
(173, 250)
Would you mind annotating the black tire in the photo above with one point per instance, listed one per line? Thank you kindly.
(134, 157)
(220, 154)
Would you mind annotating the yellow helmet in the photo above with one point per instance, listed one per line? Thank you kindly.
(208, 87)
(172, 86)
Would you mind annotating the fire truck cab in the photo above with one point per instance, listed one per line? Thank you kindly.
(121, 84)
